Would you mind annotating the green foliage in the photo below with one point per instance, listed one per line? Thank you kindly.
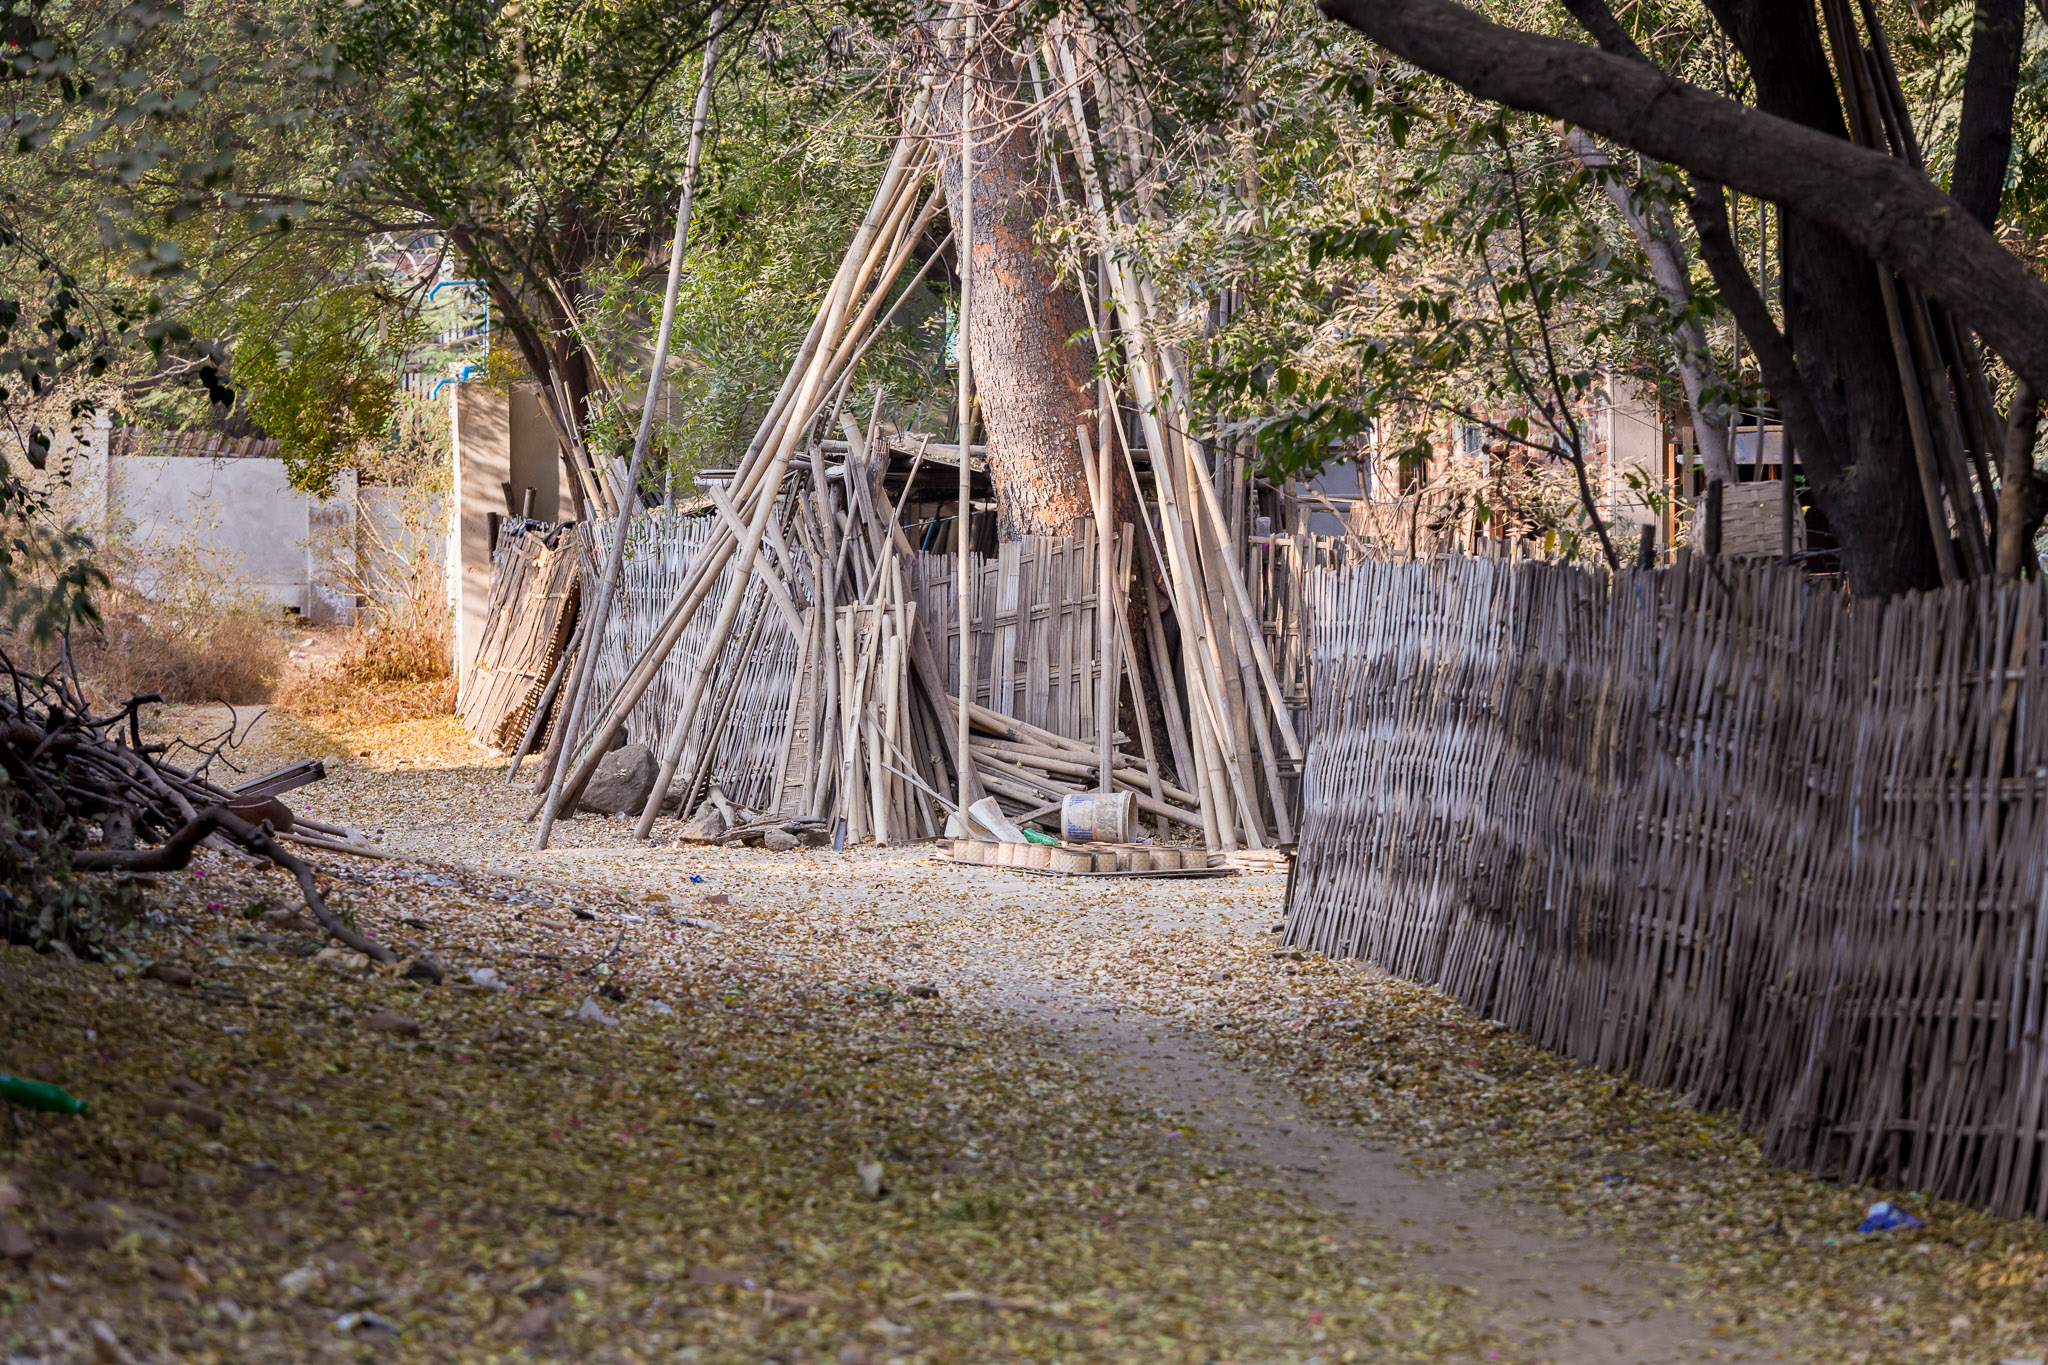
(541, 137)
(320, 376)
(781, 192)
(1419, 259)
(42, 902)
(1933, 48)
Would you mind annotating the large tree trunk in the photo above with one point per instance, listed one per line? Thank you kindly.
(1032, 377)
(1868, 484)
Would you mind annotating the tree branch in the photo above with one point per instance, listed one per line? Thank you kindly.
(1606, 30)
(1887, 209)
(1984, 132)
(2019, 493)
(176, 852)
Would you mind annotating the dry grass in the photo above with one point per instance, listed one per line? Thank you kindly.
(397, 662)
(388, 672)
(190, 651)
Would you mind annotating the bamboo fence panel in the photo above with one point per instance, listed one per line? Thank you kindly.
(750, 708)
(1277, 571)
(1715, 828)
(527, 623)
(1036, 648)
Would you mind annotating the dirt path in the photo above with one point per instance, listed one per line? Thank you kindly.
(1579, 1218)
(1007, 942)
(1544, 1296)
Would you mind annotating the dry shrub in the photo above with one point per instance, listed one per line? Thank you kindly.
(193, 639)
(385, 674)
(395, 665)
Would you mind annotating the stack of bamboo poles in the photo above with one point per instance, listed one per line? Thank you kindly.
(876, 723)
(878, 802)
(1037, 720)
(533, 606)
(1238, 739)
(1953, 421)
(853, 306)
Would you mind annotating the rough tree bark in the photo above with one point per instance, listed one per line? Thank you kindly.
(1865, 479)
(1032, 377)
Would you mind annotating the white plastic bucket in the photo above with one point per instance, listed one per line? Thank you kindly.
(1099, 817)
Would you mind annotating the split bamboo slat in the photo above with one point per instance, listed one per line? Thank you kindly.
(1718, 829)
(1036, 653)
(535, 590)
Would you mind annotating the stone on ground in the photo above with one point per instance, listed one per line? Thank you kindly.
(622, 783)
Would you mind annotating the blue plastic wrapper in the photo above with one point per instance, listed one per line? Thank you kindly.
(1887, 1217)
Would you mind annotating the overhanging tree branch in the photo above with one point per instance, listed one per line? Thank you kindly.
(1887, 209)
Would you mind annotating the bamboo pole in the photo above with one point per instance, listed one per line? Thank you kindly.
(580, 685)
(547, 698)
(1105, 621)
(963, 250)
(749, 478)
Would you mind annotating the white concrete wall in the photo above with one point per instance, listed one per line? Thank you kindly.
(241, 521)
(241, 518)
(1635, 445)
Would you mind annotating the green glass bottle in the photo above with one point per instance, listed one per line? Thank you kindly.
(51, 1099)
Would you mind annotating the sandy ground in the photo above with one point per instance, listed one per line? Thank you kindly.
(1517, 1207)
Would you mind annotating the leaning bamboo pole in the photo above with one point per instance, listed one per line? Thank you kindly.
(963, 250)
(893, 185)
(1098, 468)
(1137, 303)
(579, 686)
(784, 423)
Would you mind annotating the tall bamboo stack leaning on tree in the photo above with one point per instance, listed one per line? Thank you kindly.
(1031, 375)
(1880, 380)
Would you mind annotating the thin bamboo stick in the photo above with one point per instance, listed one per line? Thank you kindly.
(656, 373)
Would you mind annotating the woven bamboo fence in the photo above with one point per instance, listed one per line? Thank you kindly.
(1721, 831)
(1035, 651)
(532, 609)
(750, 707)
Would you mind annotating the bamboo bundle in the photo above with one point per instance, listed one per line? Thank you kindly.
(527, 621)
(875, 799)
(1239, 720)
(870, 267)
(903, 677)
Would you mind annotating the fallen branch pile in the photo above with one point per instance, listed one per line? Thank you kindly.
(84, 794)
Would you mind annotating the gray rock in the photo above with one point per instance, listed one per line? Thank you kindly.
(779, 841)
(706, 826)
(622, 782)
